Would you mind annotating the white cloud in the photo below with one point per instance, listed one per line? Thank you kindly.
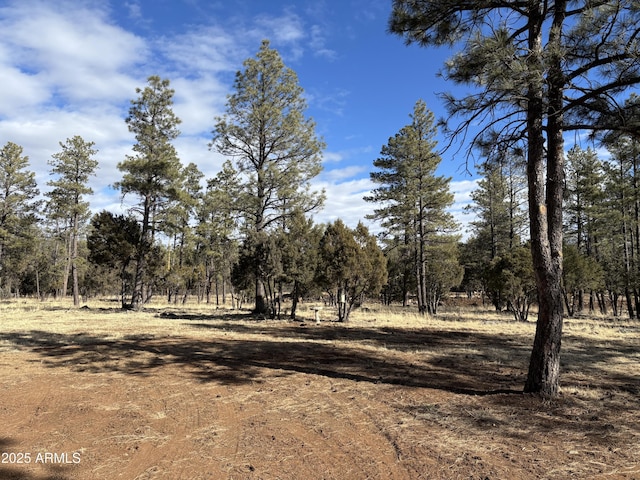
(329, 157)
(134, 9)
(204, 49)
(287, 29)
(318, 44)
(197, 102)
(345, 201)
(194, 149)
(339, 174)
(68, 70)
(20, 90)
(346, 154)
(72, 47)
(461, 190)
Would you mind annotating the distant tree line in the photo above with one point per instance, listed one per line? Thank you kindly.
(243, 235)
(188, 238)
(246, 235)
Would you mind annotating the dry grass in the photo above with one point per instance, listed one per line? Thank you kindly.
(442, 392)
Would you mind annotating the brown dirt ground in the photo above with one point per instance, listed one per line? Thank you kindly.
(178, 394)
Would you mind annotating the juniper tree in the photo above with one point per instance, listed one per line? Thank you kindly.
(300, 243)
(350, 266)
(113, 244)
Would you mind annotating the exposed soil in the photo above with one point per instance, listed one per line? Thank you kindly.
(175, 395)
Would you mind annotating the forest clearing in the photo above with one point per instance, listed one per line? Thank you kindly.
(194, 392)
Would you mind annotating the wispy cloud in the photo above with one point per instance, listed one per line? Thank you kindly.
(75, 51)
(134, 10)
(346, 154)
(333, 101)
(68, 69)
(341, 174)
(318, 44)
(286, 32)
(204, 49)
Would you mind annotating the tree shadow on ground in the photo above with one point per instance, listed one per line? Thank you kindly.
(445, 360)
(457, 361)
(234, 351)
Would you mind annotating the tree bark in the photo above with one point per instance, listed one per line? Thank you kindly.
(74, 260)
(67, 268)
(137, 296)
(545, 207)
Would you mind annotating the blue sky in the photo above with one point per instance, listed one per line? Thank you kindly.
(71, 67)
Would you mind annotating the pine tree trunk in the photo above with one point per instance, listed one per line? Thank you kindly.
(67, 269)
(224, 287)
(146, 240)
(545, 209)
(74, 261)
(261, 307)
(294, 299)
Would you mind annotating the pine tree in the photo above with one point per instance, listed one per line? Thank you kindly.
(183, 270)
(584, 197)
(586, 218)
(18, 207)
(153, 172)
(540, 69)
(498, 204)
(275, 148)
(414, 200)
(621, 222)
(216, 230)
(500, 220)
(73, 166)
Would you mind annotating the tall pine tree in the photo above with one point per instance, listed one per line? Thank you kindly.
(153, 173)
(275, 148)
(18, 207)
(73, 166)
(413, 198)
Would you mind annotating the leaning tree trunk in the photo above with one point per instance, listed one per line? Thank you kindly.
(545, 209)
